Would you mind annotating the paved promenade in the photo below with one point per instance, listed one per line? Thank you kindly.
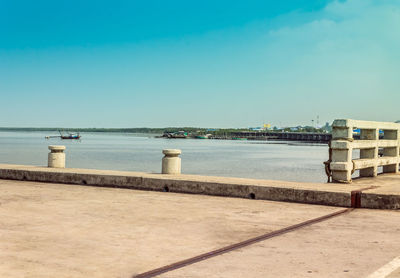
(58, 230)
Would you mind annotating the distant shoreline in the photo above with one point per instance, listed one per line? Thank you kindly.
(116, 130)
(148, 130)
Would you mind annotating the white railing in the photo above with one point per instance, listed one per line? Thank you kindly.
(374, 151)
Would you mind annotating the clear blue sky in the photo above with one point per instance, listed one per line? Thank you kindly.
(197, 63)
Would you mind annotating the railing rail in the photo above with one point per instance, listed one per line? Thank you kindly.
(374, 151)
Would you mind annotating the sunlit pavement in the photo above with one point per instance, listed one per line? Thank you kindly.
(57, 230)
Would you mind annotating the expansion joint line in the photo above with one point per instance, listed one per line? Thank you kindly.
(229, 248)
(356, 196)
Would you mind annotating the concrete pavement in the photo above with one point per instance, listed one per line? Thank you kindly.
(58, 230)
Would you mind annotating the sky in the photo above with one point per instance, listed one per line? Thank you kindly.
(201, 63)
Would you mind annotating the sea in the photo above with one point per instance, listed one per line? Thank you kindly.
(273, 160)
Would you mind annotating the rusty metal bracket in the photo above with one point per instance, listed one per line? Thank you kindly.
(356, 196)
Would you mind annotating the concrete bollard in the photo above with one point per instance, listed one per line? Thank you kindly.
(171, 163)
(56, 157)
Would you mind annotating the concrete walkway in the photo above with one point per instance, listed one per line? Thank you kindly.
(58, 230)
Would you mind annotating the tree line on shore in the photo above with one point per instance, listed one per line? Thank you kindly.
(219, 131)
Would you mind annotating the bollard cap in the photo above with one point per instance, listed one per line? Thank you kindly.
(56, 148)
(172, 152)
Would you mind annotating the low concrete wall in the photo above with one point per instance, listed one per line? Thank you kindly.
(310, 193)
(380, 201)
(218, 186)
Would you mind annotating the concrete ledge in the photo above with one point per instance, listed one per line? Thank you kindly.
(310, 193)
(345, 123)
(381, 201)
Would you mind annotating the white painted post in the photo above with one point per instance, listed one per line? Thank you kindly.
(56, 157)
(171, 162)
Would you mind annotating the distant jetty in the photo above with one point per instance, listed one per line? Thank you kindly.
(309, 137)
(307, 134)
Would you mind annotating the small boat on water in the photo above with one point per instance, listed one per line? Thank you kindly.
(69, 136)
(178, 134)
(201, 136)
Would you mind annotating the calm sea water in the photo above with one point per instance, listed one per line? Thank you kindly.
(138, 152)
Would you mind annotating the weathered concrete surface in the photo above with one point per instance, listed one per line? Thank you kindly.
(385, 195)
(342, 146)
(56, 157)
(394, 274)
(57, 230)
(171, 162)
(352, 245)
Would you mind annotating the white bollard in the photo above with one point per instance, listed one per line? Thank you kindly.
(171, 162)
(56, 157)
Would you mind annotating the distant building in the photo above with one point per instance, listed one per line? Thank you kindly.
(327, 127)
(259, 128)
(256, 128)
(267, 126)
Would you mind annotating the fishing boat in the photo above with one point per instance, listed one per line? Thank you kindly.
(69, 136)
(175, 135)
(201, 136)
